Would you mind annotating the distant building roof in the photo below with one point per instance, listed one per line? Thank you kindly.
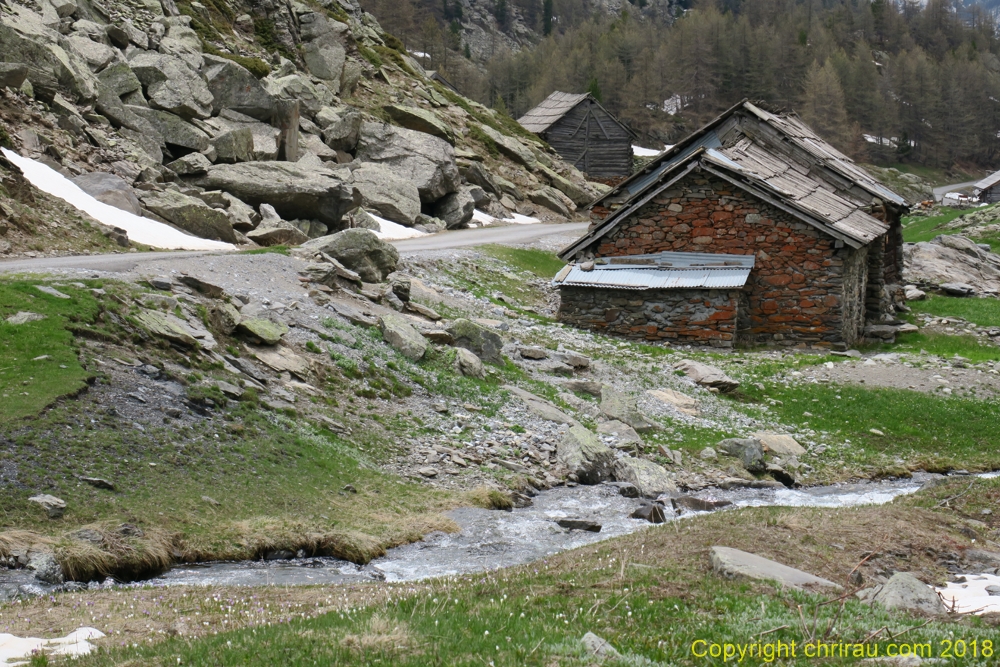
(664, 270)
(435, 75)
(775, 157)
(987, 182)
(551, 109)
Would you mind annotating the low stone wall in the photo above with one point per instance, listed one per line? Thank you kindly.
(685, 316)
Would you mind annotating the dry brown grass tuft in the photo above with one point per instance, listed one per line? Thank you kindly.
(380, 635)
(12, 541)
(491, 499)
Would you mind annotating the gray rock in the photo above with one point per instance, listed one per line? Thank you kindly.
(96, 55)
(580, 524)
(707, 376)
(272, 230)
(692, 504)
(651, 479)
(357, 249)
(905, 591)
(341, 128)
(174, 129)
(109, 189)
(456, 209)
(625, 435)
(26, 39)
(234, 146)
(708, 454)
(190, 214)
(511, 147)
(584, 455)
(651, 512)
(313, 96)
(780, 444)
(993, 590)
(485, 343)
(402, 336)
(591, 387)
(551, 199)
(427, 161)
(234, 87)
(53, 506)
(47, 569)
(958, 289)
(120, 79)
(576, 193)
(478, 175)
(173, 85)
(24, 317)
(952, 259)
(266, 332)
(735, 563)
(191, 164)
(52, 291)
(619, 406)
(540, 407)
(421, 120)
(13, 75)
(383, 191)
(468, 364)
(748, 450)
(296, 193)
(98, 483)
(599, 648)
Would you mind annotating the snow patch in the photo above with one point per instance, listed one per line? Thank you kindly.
(970, 597)
(639, 151)
(485, 219)
(392, 231)
(14, 649)
(140, 230)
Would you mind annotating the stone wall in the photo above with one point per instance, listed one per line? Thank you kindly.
(686, 316)
(806, 286)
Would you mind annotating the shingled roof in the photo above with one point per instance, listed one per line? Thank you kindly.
(775, 157)
(551, 109)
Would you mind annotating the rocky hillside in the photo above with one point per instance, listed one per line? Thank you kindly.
(200, 114)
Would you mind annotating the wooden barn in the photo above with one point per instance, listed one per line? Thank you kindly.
(752, 230)
(988, 189)
(584, 133)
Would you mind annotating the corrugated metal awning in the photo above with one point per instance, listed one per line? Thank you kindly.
(665, 270)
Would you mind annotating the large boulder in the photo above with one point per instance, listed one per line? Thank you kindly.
(735, 564)
(325, 43)
(622, 407)
(584, 455)
(172, 85)
(401, 335)
(190, 214)
(457, 208)
(511, 147)
(109, 189)
(359, 250)
(295, 192)
(341, 128)
(904, 591)
(384, 192)
(952, 259)
(577, 193)
(175, 130)
(234, 87)
(95, 54)
(485, 343)
(749, 451)
(27, 40)
(427, 161)
(651, 479)
(313, 96)
(551, 199)
(706, 376)
(421, 120)
(234, 146)
(120, 79)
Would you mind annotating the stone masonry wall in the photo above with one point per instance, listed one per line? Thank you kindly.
(798, 287)
(686, 316)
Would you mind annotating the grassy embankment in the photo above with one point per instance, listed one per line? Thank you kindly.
(921, 228)
(651, 594)
(237, 483)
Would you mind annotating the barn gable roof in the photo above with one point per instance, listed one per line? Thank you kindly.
(554, 108)
(987, 182)
(775, 157)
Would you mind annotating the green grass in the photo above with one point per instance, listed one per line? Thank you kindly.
(984, 312)
(919, 228)
(279, 249)
(945, 346)
(28, 386)
(542, 263)
(920, 429)
(936, 176)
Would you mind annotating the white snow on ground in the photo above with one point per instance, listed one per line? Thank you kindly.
(391, 231)
(15, 649)
(485, 219)
(971, 597)
(639, 151)
(140, 230)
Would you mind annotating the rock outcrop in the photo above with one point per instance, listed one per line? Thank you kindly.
(952, 259)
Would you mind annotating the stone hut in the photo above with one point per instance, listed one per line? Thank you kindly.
(824, 235)
(584, 133)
